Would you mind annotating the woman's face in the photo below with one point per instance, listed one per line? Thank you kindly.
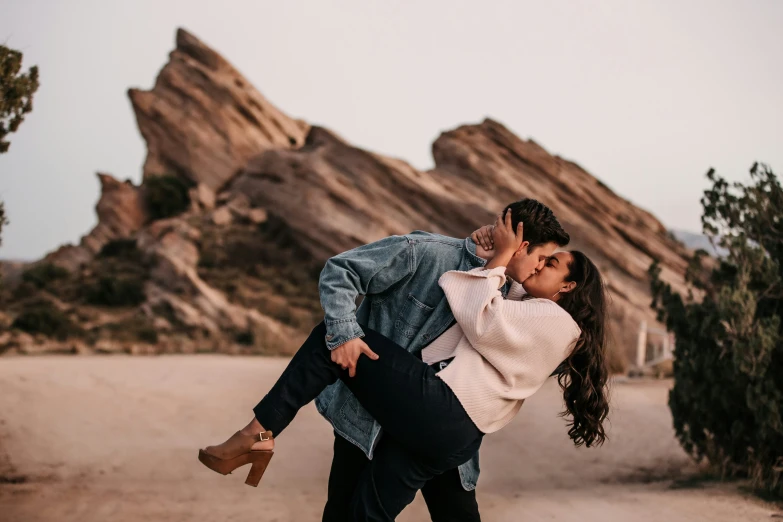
(550, 279)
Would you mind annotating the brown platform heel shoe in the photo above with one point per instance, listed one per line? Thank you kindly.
(235, 452)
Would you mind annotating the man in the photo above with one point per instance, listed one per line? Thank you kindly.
(398, 276)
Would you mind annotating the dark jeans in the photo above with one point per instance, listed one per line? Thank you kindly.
(427, 429)
(447, 500)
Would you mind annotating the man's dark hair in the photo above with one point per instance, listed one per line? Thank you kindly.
(541, 225)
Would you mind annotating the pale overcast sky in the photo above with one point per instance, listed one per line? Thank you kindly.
(645, 94)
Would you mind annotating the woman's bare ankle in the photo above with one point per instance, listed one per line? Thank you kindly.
(252, 428)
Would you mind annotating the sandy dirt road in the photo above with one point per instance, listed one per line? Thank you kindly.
(115, 438)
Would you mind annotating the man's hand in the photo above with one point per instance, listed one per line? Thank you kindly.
(483, 237)
(346, 355)
(485, 246)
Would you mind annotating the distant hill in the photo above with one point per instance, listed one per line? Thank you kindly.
(696, 241)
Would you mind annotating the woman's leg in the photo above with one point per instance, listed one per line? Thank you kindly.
(412, 404)
(307, 374)
(401, 392)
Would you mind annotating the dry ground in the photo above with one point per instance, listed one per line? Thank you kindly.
(98, 438)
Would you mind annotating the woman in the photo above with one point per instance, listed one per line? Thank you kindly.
(472, 379)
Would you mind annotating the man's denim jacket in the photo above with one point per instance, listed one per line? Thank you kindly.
(398, 276)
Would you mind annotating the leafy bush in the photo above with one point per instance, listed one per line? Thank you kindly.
(727, 399)
(117, 275)
(42, 274)
(136, 328)
(245, 337)
(116, 291)
(3, 221)
(121, 248)
(147, 334)
(44, 318)
(166, 196)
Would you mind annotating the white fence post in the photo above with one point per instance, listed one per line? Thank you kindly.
(641, 347)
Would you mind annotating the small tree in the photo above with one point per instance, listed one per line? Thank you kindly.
(16, 100)
(3, 221)
(727, 399)
(16, 93)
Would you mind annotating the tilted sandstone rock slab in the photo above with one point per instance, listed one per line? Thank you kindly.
(203, 121)
(121, 213)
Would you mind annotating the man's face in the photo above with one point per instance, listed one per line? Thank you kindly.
(525, 264)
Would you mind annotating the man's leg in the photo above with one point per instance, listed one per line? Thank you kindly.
(389, 483)
(348, 464)
(448, 501)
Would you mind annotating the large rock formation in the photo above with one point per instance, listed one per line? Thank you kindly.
(203, 120)
(121, 214)
(336, 197)
(485, 164)
(273, 198)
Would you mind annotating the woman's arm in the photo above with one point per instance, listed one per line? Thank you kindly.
(495, 325)
(474, 296)
(533, 336)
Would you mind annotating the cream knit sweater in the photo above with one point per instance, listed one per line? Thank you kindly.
(504, 349)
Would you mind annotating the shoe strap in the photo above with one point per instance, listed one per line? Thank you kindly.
(264, 435)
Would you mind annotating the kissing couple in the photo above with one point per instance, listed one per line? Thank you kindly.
(450, 339)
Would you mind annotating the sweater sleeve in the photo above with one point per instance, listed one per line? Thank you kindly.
(495, 326)
(474, 297)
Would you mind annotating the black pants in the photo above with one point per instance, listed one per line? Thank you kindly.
(447, 500)
(425, 426)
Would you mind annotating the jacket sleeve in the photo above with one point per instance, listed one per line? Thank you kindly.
(368, 269)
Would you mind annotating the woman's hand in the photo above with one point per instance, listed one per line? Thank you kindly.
(505, 238)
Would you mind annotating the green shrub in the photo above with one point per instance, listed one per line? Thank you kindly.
(3, 220)
(136, 328)
(246, 338)
(44, 318)
(42, 274)
(727, 399)
(166, 196)
(147, 334)
(116, 291)
(121, 248)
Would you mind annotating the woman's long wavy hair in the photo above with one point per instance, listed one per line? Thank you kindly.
(584, 375)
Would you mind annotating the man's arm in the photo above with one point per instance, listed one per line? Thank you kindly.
(368, 269)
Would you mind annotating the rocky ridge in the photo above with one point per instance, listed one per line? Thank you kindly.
(272, 197)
